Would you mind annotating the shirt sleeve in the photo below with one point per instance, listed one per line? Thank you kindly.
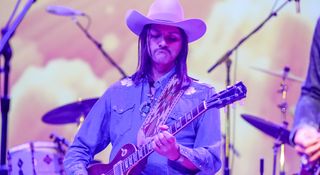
(86, 144)
(205, 154)
(308, 107)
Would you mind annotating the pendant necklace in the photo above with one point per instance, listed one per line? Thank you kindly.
(145, 106)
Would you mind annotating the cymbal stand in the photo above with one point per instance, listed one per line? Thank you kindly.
(227, 125)
(283, 106)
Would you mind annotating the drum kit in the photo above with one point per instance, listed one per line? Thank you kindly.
(46, 157)
(41, 157)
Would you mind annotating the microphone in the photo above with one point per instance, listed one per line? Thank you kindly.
(64, 11)
(297, 6)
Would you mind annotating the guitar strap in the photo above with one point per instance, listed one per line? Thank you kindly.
(159, 112)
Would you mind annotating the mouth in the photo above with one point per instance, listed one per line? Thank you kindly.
(162, 51)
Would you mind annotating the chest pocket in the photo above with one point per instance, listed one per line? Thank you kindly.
(121, 119)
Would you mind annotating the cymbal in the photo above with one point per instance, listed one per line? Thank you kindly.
(69, 113)
(279, 74)
(269, 128)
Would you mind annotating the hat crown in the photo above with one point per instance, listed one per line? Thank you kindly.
(166, 10)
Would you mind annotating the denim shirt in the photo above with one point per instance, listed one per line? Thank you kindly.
(308, 107)
(116, 119)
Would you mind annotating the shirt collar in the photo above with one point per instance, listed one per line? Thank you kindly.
(162, 81)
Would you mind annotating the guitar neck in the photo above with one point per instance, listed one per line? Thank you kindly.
(187, 118)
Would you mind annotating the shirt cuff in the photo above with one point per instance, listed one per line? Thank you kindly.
(76, 169)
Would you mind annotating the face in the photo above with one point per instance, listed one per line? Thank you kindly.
(164, 43)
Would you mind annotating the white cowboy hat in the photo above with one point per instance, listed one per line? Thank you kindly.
(167, 12)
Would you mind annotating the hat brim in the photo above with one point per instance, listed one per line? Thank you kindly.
(194, 28)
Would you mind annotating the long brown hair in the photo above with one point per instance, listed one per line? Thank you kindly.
(144, 59)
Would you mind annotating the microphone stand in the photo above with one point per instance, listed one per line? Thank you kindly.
(226, 58)
(6, 51)
(99, 46)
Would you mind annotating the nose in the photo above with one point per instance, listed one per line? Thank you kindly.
(162, 42)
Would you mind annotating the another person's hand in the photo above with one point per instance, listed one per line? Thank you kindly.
(165, 144)
(307, 141)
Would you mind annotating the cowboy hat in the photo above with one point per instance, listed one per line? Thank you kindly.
(166, 12)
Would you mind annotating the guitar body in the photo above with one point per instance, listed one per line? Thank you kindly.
(111, 168)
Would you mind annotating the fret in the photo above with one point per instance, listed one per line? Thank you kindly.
(130, 160)
(178, 124)
(194, 112)
(126, 163)
(174, 129)
(122, 166)
(140, 153)
(135, 157)
(183, 120)
(189, 116)
(198, 109)
(145, 150)
(202, 107)
(142, 150)
(170, 130)
(149, 147)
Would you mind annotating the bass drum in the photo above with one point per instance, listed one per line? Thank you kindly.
(36, 158)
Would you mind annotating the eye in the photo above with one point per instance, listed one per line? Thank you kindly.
(154, 34)
(172, 38)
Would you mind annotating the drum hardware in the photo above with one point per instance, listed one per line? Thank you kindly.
(261, 166)
(60, 141)
(283, 106)
(280, 133)
(279, 74)
(276, 131)
(231, 147)
(70, 113)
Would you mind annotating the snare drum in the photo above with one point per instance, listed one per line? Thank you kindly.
(35, 158)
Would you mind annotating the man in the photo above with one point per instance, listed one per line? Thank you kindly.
(305, 134)
(128, 110)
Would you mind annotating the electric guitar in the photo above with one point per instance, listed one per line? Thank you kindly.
(129, 155)
(310, 168)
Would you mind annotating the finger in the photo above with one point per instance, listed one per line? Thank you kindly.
(300, 149)
(309, 142)
(315, 156)
(154, 146)
(313, 149)
(306, 137)
(170, 138)
(162, 140)
(164, 127)
(157, 141)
